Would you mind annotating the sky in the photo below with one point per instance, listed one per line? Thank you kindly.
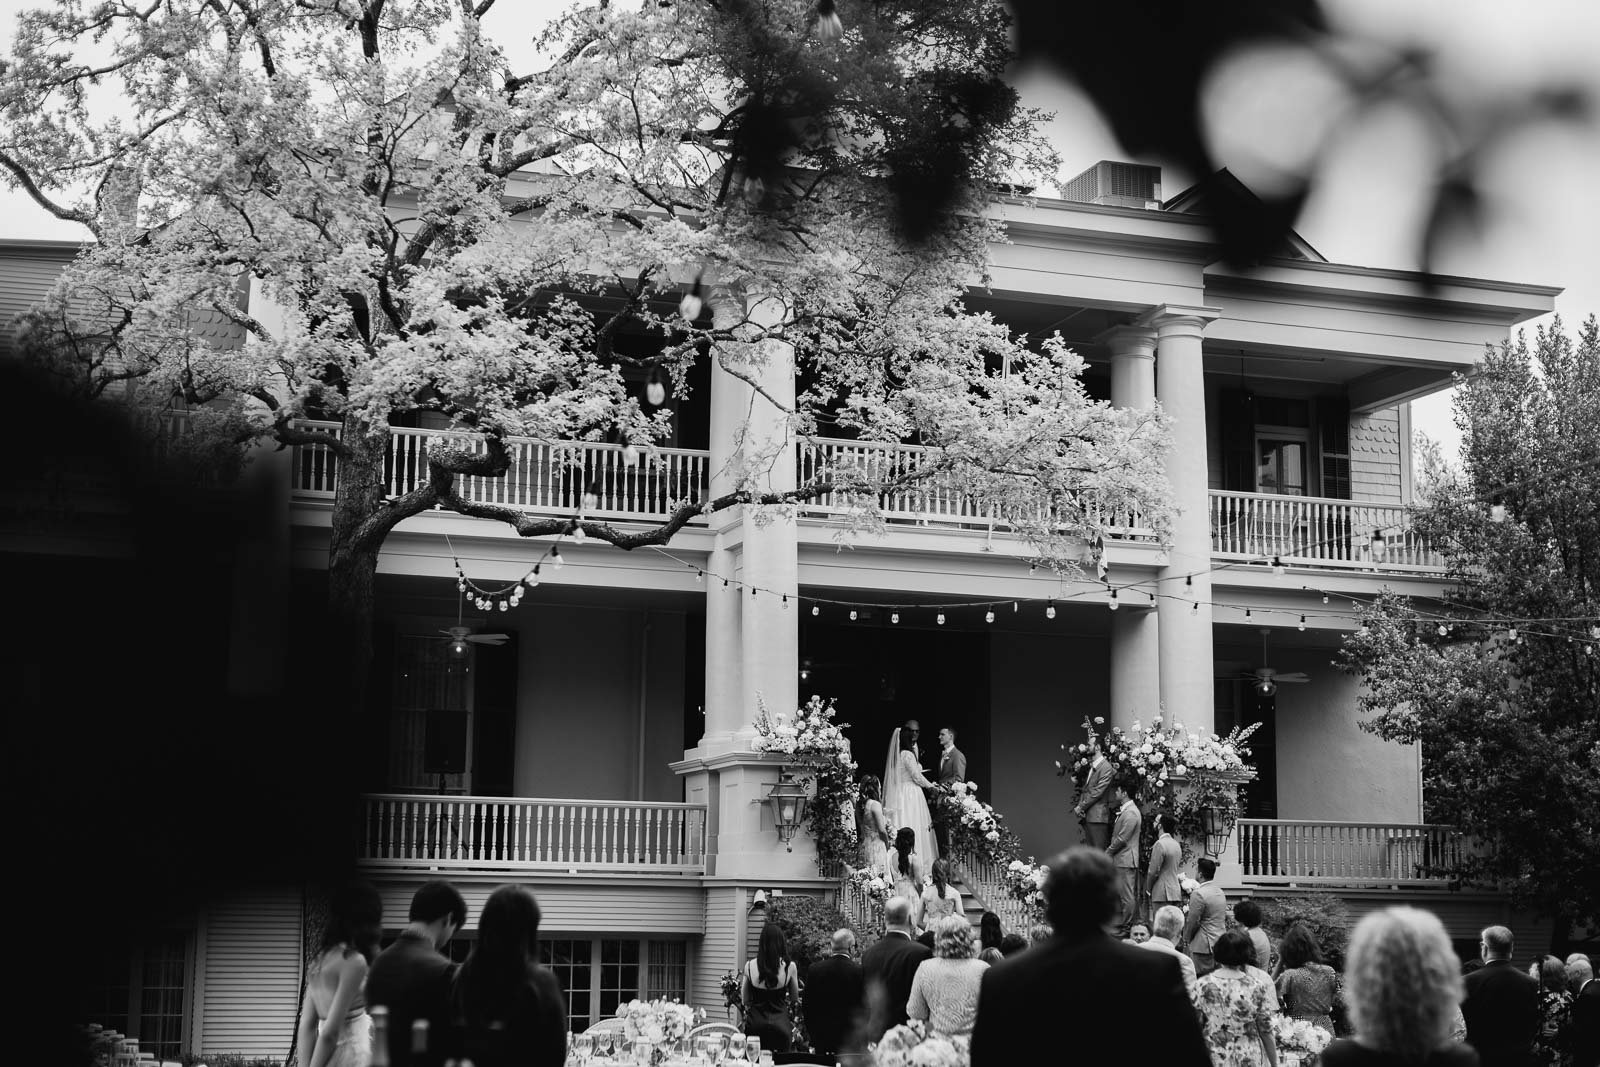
(1544, 219)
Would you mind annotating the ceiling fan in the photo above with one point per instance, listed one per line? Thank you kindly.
(1266, 679)
(461, 635)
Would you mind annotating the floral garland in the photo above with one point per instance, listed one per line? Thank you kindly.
(817, 743)
(1025, 881)
(975, 827)
(912, 1044)
(870, 884)
(660, 1022)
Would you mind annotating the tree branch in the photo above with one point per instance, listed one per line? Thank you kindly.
(30, 187)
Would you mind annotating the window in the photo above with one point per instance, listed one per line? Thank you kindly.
(426, 679)
(141, 993)
(597, 975)
(1280, 463)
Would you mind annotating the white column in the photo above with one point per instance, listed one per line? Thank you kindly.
(1184, 610)
(1135, 645)
(724, 715)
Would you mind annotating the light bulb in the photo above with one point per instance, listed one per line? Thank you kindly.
(940, 619)
(578, 536)
(1277, 565)
(504, 605)
(699, 576)
(1512, 633)
(988, 616)
(1324, 598)
(1442, 630)
(555, 559)
(655, 387)
(591, 500)
(894, 617)
(852, 615)
(691, 305)
(815, 610)
(1497, 513)
(786, 602)
(1112, 603)
(630, 456)
(1302, 622)
(1050, 612)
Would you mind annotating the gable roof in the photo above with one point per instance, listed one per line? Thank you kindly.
(1201, 199)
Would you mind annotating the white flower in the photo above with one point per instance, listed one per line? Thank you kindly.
(1181, 769)
(1188, 885)
(1099, 720)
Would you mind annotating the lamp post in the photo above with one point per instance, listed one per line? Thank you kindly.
(787, 798)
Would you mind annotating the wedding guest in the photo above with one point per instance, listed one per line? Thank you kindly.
(1234, 1009)
(944, 991)
(1583, 1039)
(1011, 944)
(1167, 928)
(1402, 985)
(1161, 882)
(1579, 971)
(991, 956)
(1307, 987)
(1138, 932)
(1110, 1001)
(1555, 1007)
(874, 827)
(1501, 1004)
(1207, 917)
(939, 898)
(905, 873)
(771, 983)
(888, 967)
(1039, 932)
(335, 1029)
(507, 1009)
(411, 978)
(990, 932)
(1247, 913)
(834, 996)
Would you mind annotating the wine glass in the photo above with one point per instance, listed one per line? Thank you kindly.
(583, 1045)
(736, 1044)
(604, 1040)
(752, 1047)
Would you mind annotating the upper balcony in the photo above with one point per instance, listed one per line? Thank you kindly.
(1312, 532)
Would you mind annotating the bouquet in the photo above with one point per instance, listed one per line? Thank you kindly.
(913, 1045)
(660, 1022)
(1025, 881)
(870, 883)
(1301, 1037)
(732, 994)
(810, 733)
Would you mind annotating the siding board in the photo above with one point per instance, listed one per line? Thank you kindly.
(1375, 457)
(571, 907)
(252, 974)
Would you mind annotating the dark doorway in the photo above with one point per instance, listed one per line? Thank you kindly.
(1240, 703)
(494, 715)
(882, 674)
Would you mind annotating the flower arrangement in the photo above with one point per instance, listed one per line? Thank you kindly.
(914, 1045)
(870, 884)
(811, 734)
(817, 743)
(660, 1022)
(1299, 1036)
(975, 827)
(732, 994)
(1025, 881)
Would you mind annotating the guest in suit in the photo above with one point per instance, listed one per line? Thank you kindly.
(1208, 917)
(1092, 810)
(834, 996)
(1161, 883)
(411, 978)
(1402, 985)
(1106, 1001)
(1583, 1025)
(1166, 930)
(888, 967)
(952, 769)
(1124, 850)
(1502, 1004)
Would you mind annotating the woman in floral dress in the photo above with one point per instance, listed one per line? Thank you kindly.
(1307, 987)
(1555, 1005)
(1233, 1008)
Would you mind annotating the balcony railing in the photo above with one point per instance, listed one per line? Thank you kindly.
(1347, 853)
(1318, 531)
(543, 477)
(523, 833)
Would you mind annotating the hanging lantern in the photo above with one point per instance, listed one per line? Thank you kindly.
(1217, 829)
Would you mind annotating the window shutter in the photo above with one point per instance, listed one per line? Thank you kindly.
(1333, 423)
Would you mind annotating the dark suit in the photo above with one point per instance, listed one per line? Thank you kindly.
(1109, 1003)
(888, 966)
(1502, 1013)
(412, 979)
(952, 769)
(832, 1000)
(1584, 1025)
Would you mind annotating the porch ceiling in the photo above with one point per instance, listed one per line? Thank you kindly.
(421, 595)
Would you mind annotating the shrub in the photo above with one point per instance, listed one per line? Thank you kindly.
(228, 1059)
(1326, 915)
(808, 924)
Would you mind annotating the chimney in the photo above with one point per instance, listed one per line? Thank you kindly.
(1117, 185)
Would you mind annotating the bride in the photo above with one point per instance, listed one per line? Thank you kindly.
(903, 799)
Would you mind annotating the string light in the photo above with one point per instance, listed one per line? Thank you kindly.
(940, 619)
(1112, 603)
(786, 602)
(852, 615)
(894, 617)
(1050, 610)
(1277, 565)
(555, 559)
(988, 616)
(815, 610)
(1302, 622)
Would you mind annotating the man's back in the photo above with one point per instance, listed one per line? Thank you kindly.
(1502, 1013)
(833, 997)
(891, 963)
(1098, 999)
(1584, 1024)
(1165, 857)
(412, 979)
(1208, 917)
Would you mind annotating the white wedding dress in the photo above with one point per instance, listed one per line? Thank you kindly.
(904, 802)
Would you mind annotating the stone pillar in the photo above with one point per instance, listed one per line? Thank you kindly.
(1135, 646)
(1183, 610)
(724, 715)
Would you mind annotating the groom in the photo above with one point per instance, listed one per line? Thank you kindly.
(952, 769)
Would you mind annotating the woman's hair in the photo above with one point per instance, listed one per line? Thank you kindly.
(1402, 982)
(355, 921)
(904, 839)
(991, 956)
(496, 971)
(871, 788)
(1233, 948)
(1299, 947)
(1248, 912)
(990, 931)
(1040, 932)
(907, 742)
(941, 877)
(1011, 944)
(952, 938)
(1552, 974)
(770, 953)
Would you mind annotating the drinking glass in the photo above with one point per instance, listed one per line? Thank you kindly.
(583, 1045)
(604, 1040)
(736, 1044)
(641, 1052)
(752, 1047)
